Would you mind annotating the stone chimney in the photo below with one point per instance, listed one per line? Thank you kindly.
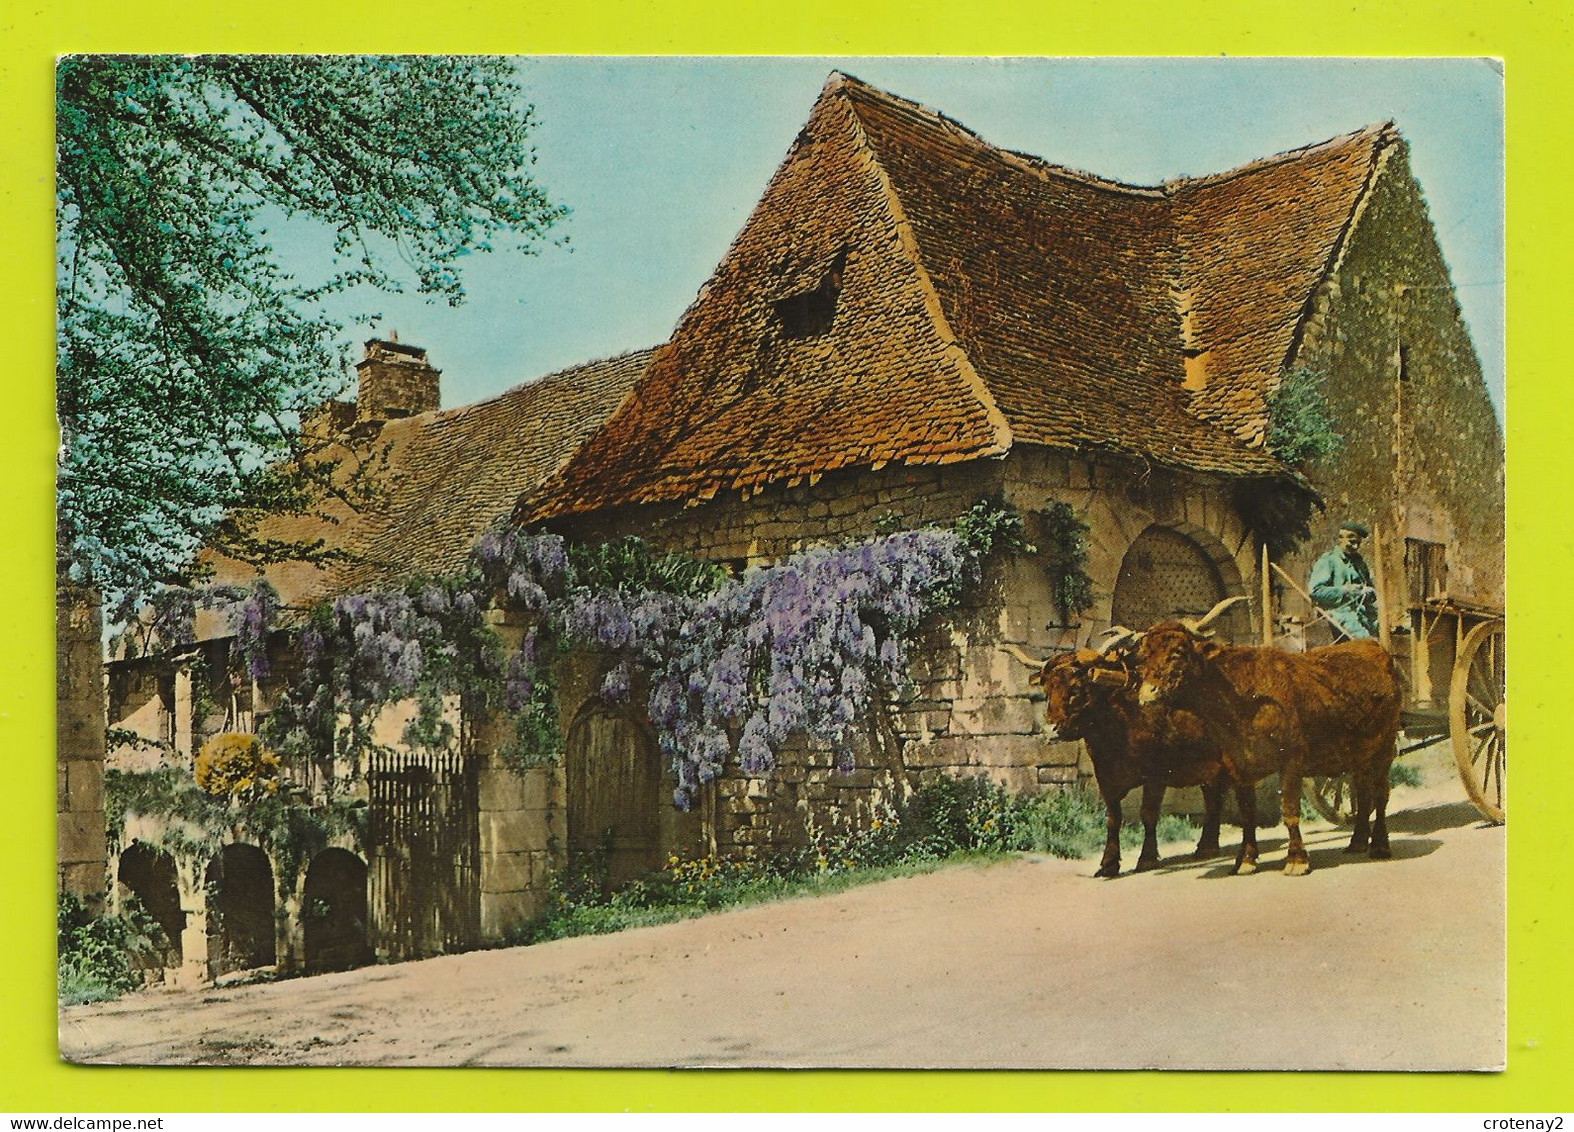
(394, 380)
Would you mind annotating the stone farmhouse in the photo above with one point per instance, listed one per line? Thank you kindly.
(911, 320)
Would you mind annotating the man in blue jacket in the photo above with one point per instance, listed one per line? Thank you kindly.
(1341, 585)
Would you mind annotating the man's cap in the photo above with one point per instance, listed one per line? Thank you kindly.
(1358, 528)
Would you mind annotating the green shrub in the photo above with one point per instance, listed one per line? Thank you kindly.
(944, 820)
(99, 955)
(1300, 423)
(1403, 774)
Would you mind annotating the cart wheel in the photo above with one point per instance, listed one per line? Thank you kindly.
(1331, 797)
(1477, 717)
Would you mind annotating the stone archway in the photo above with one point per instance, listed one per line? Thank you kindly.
(1167, 574)
(333, 908)
(613, 801)
(240, 901)
(149, 874)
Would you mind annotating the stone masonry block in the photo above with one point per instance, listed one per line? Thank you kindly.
(85, 785)
(989, 672)
(503, 912)
(1008, 750)
(499, 788)
(505, 872)
(1016, 779)
(84, 878)
(945, 750)
(81, 837)
(1058, 775)
(513, 831)
(996, 716)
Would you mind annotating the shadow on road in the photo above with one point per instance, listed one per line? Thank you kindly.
(1430, 819)
(1325, 844)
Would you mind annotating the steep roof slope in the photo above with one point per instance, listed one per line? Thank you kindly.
(1253, 245)
(440, 479)
(904, 291)
(753, 388)
(1060, 286)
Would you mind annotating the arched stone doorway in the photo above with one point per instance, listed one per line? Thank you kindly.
(239, 885)
(149, 875)
(1165, 575)
(333, 908)
(614, 785)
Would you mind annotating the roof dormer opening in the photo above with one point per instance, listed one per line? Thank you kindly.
(810, 313)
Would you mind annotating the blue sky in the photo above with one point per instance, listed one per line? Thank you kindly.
(660, 161)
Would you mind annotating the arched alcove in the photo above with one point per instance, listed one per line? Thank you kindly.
(333, 912)
(239, 884)
(1167, 574)
(613, 775)
(149, 874)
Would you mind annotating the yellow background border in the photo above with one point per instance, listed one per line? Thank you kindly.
(1535, 41)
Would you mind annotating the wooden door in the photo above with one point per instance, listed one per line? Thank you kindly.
(614, 782)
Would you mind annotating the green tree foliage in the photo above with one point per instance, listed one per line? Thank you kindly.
(188, 353)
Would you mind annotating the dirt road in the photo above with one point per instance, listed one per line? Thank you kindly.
(1025, 963)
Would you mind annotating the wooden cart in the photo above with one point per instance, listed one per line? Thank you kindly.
(1467, 645)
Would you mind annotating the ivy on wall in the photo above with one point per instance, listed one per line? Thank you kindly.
(1066, 557)
(1300, 424)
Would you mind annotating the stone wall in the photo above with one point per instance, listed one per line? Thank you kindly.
(80, 709)
(1423, 449)
(970, 709)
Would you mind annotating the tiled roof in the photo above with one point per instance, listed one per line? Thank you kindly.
(985, 298)
(441, 478)
(1253, 246)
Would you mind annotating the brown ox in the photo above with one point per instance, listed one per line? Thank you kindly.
(1091, 695)
(1332, 710)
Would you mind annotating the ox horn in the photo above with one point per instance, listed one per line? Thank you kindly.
(1200, 626)
(1116, 636)
(1013, 650)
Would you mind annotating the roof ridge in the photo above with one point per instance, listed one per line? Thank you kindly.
(539, 379)
(1034, 163)
(1028, 162)
(1375, 132)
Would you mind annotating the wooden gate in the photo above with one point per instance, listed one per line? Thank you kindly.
(614, 782)
(421, 835)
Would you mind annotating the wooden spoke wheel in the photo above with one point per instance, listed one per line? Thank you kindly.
(1477, 717)
(1332, 798)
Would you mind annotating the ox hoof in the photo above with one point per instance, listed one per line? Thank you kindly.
(1297, 868)
(1108, 871)
(1146, 863)
(1244, 868)
(1380, 853)
(1203, 852)
(1355, 847)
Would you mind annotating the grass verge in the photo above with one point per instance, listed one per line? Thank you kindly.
(945, 822)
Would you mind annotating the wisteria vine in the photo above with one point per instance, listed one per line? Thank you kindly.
(725, 668)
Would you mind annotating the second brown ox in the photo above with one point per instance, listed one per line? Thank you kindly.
(1329, 711)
